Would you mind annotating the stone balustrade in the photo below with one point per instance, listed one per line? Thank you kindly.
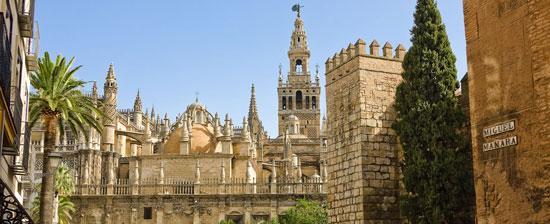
(207, 186)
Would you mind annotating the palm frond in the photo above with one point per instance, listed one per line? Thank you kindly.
(58, 92)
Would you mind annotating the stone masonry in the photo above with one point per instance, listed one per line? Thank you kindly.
(363, 163)
(508, 49)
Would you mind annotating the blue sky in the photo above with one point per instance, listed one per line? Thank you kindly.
(172, 49)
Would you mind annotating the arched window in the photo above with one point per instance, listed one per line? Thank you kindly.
(313, 102)
(290, 103)
(307, 102)
(298, 68)
(299, 100)
(284, 103)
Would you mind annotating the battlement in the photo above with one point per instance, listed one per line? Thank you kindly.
(360, 49)
(126, 111)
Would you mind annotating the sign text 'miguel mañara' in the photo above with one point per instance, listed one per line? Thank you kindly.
(499, 128)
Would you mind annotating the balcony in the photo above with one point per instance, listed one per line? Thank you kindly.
(25, 25)
(11, 210)
(21, 165)
(32, 63)
(26, 18)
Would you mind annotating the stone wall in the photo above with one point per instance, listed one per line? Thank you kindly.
(508, 49)
(363, 165)
(182, 209)
(184, 166)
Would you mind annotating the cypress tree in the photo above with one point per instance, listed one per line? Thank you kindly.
(430, 124)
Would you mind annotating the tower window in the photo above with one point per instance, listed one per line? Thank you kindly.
(298, 67)
(307, 102)
(290, 103)
(284, 103)
(299, 100)
(313, 102)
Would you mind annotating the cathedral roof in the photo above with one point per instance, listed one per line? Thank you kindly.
(196, 106)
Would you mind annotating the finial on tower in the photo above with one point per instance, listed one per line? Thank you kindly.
(317, 78)
(280, 72)
(297, 8)
(111, 72)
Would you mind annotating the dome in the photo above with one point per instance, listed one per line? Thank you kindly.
(202, 139)
(195, 106)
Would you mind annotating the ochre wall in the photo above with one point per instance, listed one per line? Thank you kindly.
(508, 49)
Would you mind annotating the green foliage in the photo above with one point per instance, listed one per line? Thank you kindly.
(273, 221)
(64, 185)
(437, 160)
(57, 93)
(305, 212)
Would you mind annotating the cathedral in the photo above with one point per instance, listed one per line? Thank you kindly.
(200, 167)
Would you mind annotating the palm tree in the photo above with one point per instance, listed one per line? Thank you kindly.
(64, 183)
(64, 186)
(58, 103)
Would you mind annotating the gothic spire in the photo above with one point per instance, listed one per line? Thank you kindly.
(94, 90)
(153, 113)
(137, 103)
(252, 109)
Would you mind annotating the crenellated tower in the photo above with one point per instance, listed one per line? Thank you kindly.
(110, 89)
(299, 95)
(360, 112)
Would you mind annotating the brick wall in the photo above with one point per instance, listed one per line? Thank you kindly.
(508, 45)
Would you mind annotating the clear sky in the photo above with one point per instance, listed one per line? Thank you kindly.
(171, 49)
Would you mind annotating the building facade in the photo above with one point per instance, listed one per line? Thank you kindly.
(363, 152)
(200, 167)
(508, 49)
(18, 41)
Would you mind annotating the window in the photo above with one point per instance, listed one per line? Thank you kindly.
(290, 103)
(299, 100)
(298, 67)
(307, 102)
(284, 103)
(313, 102)
(148, 213)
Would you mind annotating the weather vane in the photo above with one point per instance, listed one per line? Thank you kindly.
(197, 96)
(297, 8)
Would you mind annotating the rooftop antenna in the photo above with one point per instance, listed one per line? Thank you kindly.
(296, 8)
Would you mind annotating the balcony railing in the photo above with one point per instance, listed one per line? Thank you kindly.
(11, 210)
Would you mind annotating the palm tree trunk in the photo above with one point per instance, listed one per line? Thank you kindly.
(47, 191)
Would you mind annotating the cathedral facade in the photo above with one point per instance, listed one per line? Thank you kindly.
(200, 167)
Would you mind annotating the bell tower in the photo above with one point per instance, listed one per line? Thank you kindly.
(298, 94)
